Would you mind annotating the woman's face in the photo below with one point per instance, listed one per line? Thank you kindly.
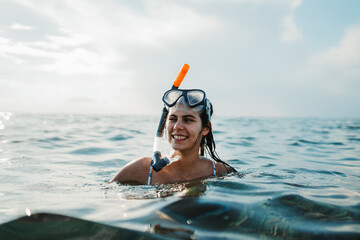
(184, 129)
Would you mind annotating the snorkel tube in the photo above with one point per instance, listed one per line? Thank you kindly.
(159, 162)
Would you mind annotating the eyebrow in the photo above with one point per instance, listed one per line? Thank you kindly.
(184, 116)
(191, 116)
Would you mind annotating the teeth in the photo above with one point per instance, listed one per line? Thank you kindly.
(179, 137)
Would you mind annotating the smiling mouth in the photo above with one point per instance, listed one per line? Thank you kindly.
(179, 137)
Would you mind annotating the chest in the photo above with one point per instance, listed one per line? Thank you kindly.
(171, 175)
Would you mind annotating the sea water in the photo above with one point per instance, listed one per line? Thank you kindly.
(300, 180)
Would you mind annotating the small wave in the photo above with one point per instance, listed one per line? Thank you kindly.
(113, 162)
(218, 132)
(202, 213)
(306, 208)
(322, 172)
(321, 131)
(236, 161)
(354, 139)
(306, 186)
(335, 163)
(132, 191)
(136, 131)
(264, 157)
(120, 137)
(241, 143)
(269, 165)
(293, 217)
(234, 185)
(99, 164)
(91, 151)
(54, 226)
(350, 159)
(353, 127)
(295, 144)
(319, 143)
(53, 139)
(291, 171)
(249, 138)
(335, 196)
(271, 175)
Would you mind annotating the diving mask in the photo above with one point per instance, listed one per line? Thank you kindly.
(181, 98)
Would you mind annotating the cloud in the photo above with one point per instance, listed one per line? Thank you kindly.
(18, 26)
(345, 54)
(4, 41)
(153, 24)
(291, 32)
(85, 55)
(93, 36)
(64, 54)
(336, 71)
(92, 44)
(69, 38)
(76, 60)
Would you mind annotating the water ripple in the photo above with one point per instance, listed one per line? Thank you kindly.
(353, 127)
(234, 185)
(301, 182)
(320, 143)
(322, 172)
(354, 139)
(120, 137)
(92, 151)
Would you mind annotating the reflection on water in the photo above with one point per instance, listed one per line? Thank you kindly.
(300, 180)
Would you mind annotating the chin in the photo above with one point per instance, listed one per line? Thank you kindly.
(178, 147)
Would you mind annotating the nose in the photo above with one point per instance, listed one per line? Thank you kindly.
(178, 125)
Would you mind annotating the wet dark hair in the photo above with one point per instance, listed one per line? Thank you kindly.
(208, 142)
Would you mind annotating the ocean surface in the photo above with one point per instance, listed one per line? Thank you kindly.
(301, 180)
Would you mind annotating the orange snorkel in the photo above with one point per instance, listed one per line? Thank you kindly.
(159, 162)
(180, 76)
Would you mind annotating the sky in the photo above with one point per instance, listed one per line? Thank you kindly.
(261, 58)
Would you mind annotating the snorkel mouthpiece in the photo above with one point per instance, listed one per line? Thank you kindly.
(159, 162)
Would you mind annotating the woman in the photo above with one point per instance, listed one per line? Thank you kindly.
(188, 130)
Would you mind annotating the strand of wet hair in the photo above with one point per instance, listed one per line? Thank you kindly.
(210, 147)
(209, 142)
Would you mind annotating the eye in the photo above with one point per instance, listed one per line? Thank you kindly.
(172, 119)
(188, 120)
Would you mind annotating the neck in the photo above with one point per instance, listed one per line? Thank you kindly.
(186, 159)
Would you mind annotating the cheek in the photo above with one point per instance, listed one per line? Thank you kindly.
(197, 130)
(168, 128)
(168, 125)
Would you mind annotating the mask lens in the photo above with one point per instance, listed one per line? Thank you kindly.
(171, 97)
(195, 97)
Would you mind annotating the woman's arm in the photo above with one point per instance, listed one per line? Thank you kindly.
(136, 171)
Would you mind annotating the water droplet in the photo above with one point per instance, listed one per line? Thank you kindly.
(28, 211)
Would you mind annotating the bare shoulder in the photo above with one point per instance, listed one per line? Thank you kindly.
(135, 171)
(222, 168)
